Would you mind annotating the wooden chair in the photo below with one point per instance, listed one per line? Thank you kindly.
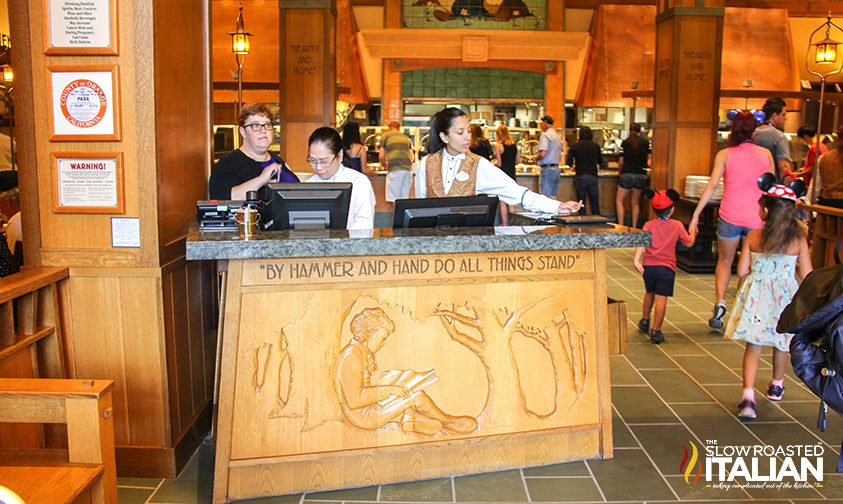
(85, 472)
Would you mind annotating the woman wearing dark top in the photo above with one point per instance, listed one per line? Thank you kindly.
(251, 166)
(633, 177)
(479, 144)
(585, 156)
(506, 157)
(354, 152)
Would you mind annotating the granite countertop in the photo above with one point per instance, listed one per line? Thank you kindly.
(211, 245)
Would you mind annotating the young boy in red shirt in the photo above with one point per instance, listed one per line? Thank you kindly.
(659, 265)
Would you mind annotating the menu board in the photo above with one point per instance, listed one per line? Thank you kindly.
(81, 27)
(84, 103)
(88, 182)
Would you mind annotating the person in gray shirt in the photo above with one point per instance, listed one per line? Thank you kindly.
(550, 152)
(769, 135)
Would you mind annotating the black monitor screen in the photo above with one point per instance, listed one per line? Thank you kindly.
(469, 211)
(308, 205)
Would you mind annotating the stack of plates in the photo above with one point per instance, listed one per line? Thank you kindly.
(695, 184)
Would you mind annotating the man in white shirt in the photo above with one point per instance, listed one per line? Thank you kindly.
(325, 157)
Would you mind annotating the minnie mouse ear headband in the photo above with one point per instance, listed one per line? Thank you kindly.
(758, 114)
(661, 199)
(767, 184)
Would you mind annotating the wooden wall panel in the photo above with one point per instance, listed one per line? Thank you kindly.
(92, 233)
(190, 328)
(97, 340)
(182, 97)
(142, 323)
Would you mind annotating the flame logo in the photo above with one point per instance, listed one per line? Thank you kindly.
(686, 467)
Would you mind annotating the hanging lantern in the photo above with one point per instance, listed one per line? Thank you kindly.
(826, 51)
(240, 37)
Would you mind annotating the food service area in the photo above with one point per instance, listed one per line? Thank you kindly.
(401, 251)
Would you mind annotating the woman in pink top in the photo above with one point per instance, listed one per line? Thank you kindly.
(739, 165)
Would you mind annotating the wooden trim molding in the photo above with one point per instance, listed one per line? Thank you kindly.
(516, 45)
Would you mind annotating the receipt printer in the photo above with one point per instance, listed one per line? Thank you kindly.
(217, 215)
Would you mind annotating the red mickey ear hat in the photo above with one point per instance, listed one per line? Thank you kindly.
(662, 199)
(767, 184)
(780, 191)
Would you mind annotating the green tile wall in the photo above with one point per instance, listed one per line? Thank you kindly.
(472, 83)
(475, 14)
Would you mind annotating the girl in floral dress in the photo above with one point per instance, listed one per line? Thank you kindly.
(770, 261)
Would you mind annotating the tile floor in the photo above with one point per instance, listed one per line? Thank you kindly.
(664, 396)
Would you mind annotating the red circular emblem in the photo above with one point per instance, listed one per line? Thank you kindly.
(83, 103)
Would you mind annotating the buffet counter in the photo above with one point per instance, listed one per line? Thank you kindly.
(357, 358)
(527, 176)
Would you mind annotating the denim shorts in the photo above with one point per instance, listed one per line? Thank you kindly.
(632, 181)
(729, 232)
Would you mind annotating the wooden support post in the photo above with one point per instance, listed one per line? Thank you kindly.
(689, 36)
(308, 74)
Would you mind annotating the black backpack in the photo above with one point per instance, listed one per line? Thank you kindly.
(815, 317)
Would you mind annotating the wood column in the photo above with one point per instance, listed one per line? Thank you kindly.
(308, 73)
(689, 36)
(392, 106)
(141, 317)
(554, 81)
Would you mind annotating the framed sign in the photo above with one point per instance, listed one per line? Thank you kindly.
(80, 27)
(88, 182)
(84, 102)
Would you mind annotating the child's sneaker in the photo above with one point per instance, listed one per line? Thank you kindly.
(746, 409)
(656, 337)
(644, 325)
(716, 320)
(774, 392)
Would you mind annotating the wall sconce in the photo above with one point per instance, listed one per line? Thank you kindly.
(240, 47)
(8, 73)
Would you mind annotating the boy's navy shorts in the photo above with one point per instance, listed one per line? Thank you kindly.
(659, 280)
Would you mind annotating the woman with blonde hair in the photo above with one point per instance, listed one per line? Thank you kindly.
(506, 157)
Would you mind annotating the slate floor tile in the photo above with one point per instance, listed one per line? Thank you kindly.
(707, 370)
(435, 490)
(563, 490)
(621, 437)
(622, 372)
(505, 486)
(676, 386)
(648, 356)
(704, 491)
(806, 414)
(712, 422)
(352, 494)
(640, 405)
(664, 444)
(730, 395)
(195, 483)
(577, 468)
(630, 473)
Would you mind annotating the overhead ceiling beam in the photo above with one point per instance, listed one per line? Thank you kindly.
(796, 8)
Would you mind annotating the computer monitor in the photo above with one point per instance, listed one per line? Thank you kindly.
(468, 211)
(308, 205)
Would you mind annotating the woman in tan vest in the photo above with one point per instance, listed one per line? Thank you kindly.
(452, 170)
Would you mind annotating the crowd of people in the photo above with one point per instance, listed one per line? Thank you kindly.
(757, 213)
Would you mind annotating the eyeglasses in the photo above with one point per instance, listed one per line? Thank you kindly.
(258, 126)
(316, 163)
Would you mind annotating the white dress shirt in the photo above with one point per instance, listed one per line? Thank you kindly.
(361, 211)
(490, 180)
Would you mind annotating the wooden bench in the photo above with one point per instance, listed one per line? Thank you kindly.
(85, 472)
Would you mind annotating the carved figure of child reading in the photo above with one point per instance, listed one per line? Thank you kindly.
(400, 398)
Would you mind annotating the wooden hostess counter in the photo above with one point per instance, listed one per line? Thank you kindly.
(411, 354)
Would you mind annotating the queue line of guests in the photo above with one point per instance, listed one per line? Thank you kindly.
(450, 168)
